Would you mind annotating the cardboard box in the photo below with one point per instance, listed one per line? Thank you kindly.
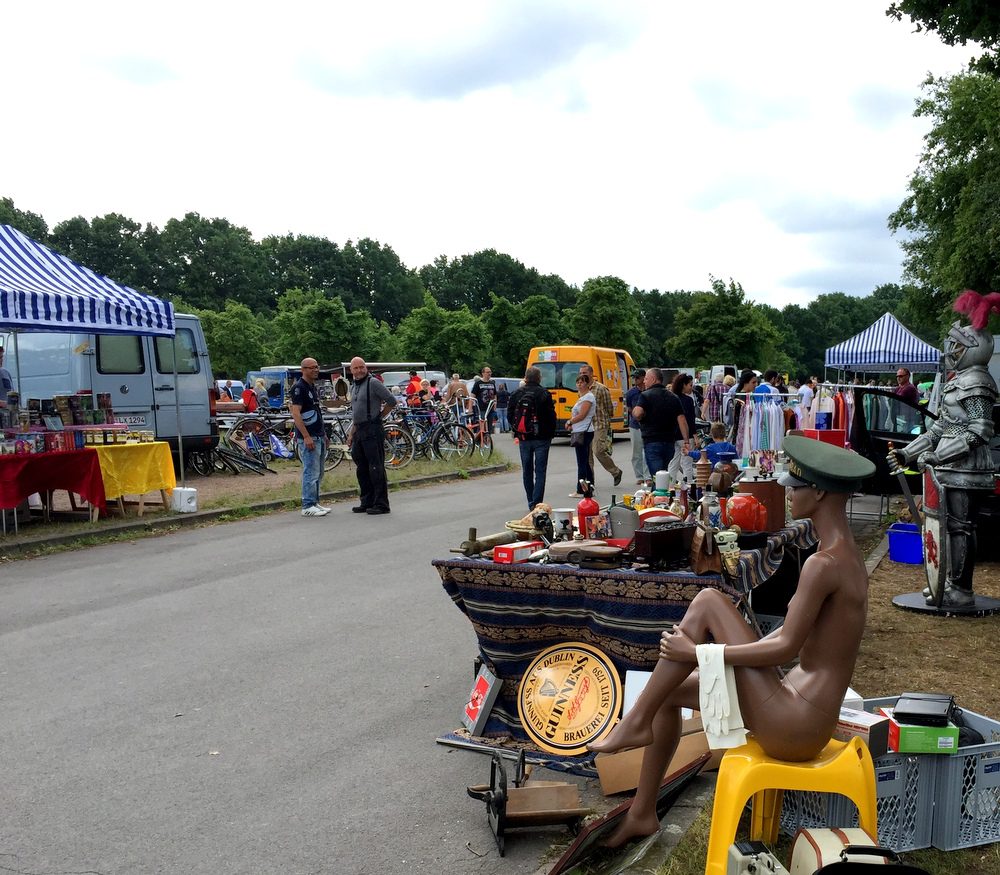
(872, 729)
(519, 551)
(907, 738)
(619, 772)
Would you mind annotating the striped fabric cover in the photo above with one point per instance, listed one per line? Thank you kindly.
(41, 290)
(883, 347)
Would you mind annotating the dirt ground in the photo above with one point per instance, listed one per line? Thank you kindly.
(905, 651)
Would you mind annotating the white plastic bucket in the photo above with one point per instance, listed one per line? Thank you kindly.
(184, 500)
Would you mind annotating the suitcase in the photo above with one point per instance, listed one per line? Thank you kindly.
(841, 852)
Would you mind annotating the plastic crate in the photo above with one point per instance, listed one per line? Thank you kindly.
(968, 790)
(904, 790)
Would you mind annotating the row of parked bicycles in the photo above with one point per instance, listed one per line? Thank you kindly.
(435, 431)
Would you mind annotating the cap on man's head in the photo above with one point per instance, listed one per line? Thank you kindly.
(823, 466)
(413, 373)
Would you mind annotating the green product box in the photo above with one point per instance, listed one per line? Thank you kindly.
(909, 738)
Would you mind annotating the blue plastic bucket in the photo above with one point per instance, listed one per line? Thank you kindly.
(904, 543)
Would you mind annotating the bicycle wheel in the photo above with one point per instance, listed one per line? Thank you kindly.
(399, 448)
(335, 454)
(201, 463)
(454, 441)
(485, 445)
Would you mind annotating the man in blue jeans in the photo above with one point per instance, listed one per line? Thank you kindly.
(307, 414)
(533, 422)
(662, 422)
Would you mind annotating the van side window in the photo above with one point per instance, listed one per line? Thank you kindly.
(188, 361)
(119, 354)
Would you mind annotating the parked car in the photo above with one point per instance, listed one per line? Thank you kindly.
(236, 386)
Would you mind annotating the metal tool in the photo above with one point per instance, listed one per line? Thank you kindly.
(474, 546)
(900, 473)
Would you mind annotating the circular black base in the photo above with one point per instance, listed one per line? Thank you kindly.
(914, 601)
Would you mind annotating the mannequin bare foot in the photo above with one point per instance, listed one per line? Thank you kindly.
(632, 828)
(625, 736)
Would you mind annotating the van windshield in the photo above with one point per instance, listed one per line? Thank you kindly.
(559, 375)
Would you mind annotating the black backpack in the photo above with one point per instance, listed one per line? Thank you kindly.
(524, 417)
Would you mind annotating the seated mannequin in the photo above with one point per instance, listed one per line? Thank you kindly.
(791, 717)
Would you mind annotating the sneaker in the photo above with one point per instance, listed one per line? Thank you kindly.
(314, 511)
(320, 507)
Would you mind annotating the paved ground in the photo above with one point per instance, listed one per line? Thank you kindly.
(256, 697)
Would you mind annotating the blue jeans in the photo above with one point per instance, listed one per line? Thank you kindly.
(534, 463)
(658, 455)
(502, 419)
(312, 469)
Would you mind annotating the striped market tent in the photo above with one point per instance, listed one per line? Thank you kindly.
(41, 290)
(883, 347)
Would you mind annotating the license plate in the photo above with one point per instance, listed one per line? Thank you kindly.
(131, 419)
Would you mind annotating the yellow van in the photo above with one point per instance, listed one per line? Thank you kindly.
(560, 366)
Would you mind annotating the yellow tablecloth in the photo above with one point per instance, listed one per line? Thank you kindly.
(135, 469)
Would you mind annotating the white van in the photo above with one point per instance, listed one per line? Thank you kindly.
(137, 371)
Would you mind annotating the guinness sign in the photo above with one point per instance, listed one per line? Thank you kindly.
(569, 697)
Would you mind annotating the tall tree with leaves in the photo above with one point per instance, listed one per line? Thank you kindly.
(658, 310)
(606, 314)
(26, 222)
(952, 213)
(721, 327)
(113, 245)
(957, 22)
(308, 323)
(516, 329)
(237, 339)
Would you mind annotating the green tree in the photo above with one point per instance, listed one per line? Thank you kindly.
(957, 22)
(606, 314)
(237, 339)
(211, 261)
(112, 245)
(723, 325)
(28, 223)
(515, 329)
(308, 262)
(454, 340)
(658, 310)
(384, 286)
(308, 323)
(952, 213)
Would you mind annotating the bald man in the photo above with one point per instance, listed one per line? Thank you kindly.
(370, 402)
(307, 414)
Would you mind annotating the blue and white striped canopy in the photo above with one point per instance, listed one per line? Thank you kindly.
(41, 290)
(882, 347)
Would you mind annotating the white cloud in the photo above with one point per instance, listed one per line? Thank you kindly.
(657, 142)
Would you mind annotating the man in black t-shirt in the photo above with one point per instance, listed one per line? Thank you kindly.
(307, 414)
(662, 422)
(484, 390)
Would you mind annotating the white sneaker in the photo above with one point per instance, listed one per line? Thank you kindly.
(320, 507)
(314, 511)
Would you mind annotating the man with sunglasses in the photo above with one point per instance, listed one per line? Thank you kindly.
(904, 388)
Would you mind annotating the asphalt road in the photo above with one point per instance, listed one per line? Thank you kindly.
(254, 697)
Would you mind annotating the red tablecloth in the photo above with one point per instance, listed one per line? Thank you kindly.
(76, 471)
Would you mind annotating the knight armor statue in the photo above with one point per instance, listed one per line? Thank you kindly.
(957, 444)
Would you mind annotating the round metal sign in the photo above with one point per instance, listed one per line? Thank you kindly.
(569, 697)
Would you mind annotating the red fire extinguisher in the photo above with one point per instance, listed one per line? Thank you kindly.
(587, 506)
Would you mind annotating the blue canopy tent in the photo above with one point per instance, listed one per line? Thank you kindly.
(41, 290)
(883, 347)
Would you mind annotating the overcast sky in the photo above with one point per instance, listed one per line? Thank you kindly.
(655, 141)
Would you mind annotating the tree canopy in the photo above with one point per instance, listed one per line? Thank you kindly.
(957, 23)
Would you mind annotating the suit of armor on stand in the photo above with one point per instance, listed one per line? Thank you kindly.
(956, 446)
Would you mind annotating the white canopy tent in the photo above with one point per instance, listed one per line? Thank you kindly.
(883, 347)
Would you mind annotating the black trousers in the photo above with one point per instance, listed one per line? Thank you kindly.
(368, 453)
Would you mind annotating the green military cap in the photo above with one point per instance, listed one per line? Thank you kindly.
(823, 466)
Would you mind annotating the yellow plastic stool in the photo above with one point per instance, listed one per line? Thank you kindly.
(746, 771)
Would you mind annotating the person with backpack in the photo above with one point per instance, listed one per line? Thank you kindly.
(532, 417)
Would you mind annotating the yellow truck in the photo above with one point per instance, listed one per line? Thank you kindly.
(560, 366)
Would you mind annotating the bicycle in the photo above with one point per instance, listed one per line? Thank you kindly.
(481, 434)
(400, 449)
